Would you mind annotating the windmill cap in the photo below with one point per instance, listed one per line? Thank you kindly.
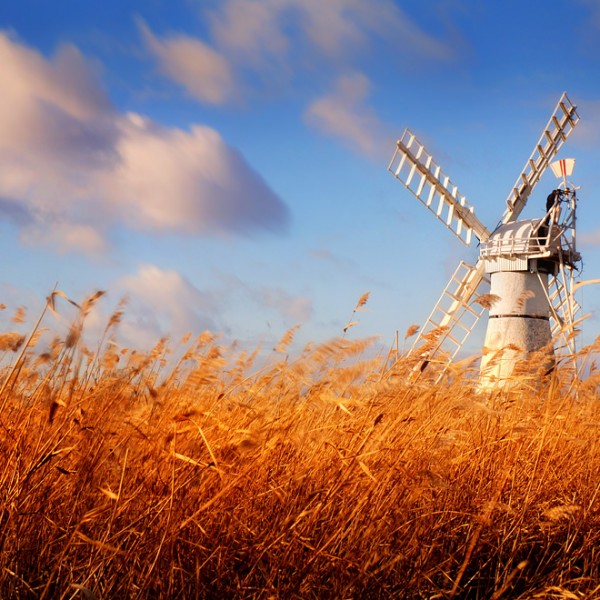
(563, 168)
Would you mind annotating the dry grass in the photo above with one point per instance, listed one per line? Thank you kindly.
(121, 477)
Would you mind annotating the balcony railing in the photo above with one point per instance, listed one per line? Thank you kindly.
(531, 245)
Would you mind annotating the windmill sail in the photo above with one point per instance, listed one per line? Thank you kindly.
(416, 169)
(453, 317)
(563, 309)
(561, 124)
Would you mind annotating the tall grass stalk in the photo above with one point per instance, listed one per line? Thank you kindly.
(313, 477)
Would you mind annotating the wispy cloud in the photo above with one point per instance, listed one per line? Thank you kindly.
(349, 27)
(275, 44)
(589, 238)
(291, 307)
(286, 38)
(250, 31)
(65, 236)
(163, 302)
(344, 114)
(72, 165)
(259, 30)
(593, 22)
(203, 72)
(258, 46)
(325, 255)
(272, 301)
(587, 133)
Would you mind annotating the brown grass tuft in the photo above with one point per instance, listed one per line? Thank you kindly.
(487, 300)
(11, 341)
(523, 297)
(123, 475)
(412, 330)
(19, 316)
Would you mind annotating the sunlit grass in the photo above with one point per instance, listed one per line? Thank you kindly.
(325, 476)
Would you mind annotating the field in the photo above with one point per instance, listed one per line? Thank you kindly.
(326, 475)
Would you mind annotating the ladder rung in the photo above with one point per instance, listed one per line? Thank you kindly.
(400, 165)
(455, 297)
(474, 312)
(430, 197)
(421, 185)
(410, 175)
(450, 215)
(462, 325)
(452, 339)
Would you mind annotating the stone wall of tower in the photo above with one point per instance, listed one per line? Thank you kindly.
(519, 323)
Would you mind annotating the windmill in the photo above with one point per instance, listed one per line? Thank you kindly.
(525, 271)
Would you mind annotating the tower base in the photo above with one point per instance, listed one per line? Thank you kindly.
(518, 326)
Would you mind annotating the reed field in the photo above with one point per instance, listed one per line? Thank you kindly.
(326, 474)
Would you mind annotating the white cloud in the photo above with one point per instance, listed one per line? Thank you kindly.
(326, 256)
(343, 113)
(592, 23)
(164, 303)
(337, 27)
(258, 31)
(587, 132)
(274, 44)
(295, 308)
(192, 182)
(250, 30)
(204, 73)
(72, 166)
(271, 302)
(65, 236)
(589, 238)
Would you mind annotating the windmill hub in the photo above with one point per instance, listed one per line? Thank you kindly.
(529, 264)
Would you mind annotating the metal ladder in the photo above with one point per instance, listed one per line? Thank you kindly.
(564, 309)
(454, 316)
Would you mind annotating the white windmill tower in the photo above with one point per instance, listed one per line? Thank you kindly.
(530, 263)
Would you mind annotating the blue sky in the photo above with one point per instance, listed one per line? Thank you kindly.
(223, 164)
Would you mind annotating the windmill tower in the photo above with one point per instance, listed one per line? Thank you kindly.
(528, 264)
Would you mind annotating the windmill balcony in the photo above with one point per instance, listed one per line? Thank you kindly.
(513, 245)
